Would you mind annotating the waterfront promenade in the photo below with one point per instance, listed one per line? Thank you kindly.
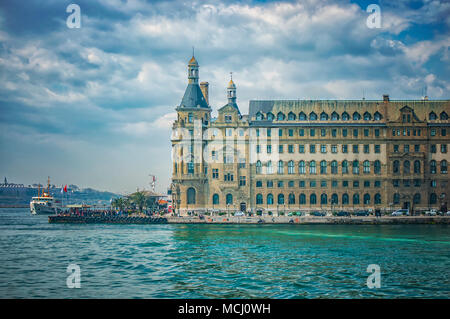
(354, 220)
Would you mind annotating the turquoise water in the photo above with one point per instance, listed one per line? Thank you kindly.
(220, 261)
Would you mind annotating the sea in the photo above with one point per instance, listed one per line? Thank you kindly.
(42, 260)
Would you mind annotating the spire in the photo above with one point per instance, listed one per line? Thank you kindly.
(193, 96)
(193, 69)
(231, 90)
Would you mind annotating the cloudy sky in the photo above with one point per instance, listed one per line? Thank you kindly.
(93, 106)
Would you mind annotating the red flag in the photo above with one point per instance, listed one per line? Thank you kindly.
(65, 188)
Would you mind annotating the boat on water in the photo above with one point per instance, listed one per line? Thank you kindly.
(44, 204)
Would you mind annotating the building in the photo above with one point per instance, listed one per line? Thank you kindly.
(307, 155)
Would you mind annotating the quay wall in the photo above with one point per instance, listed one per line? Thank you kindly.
(370, 220)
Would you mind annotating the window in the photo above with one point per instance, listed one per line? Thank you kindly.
(259, 199)
(443, 148)
(291, 116)
(215, 199)
(334, 116)
(312, 116)
(334, 132)
(366, 167)
(280, 132)
(377, 116)
(291, 198)
(190, 168)
(302, 199)
(323, 183)
(259, 116)
(377, 148)
(416, 167)
(190, 194)
(270, 116)
(334, 149)
(396, 199)
(377, 184)
(416, 198)
(190, 118)
(345, 116)
(367, 116)
(355, 184)
(228, 177)
(301, 183)
(258, 149)
(280, 184)
(291, 148)
(280, 149)
(417, 183)
(356, 199)
(312, 148)
(269, 199)
(291, 184)
(301, 167)
(301, 132)
(433, 167)
(355, 149)
(229, 199)
(312, 183)
(366, 184)
(344, 132)
(433, 199)
(241, 180)
(228, 118)
(406, 167)
(269, 132)
(366, 149)
(433, 148)
(269, 184)
(280, 116)
(334, 199)
(323, 149)
(377, 167)
(396, 167)
(396, 148)
(312, 132)
(323, 167)
(355, 166)
(215, 173)
(301, 148)
(291, 132)
(291, 167)
(269, 149)
(313, 199)
(269, 168)
(355, 132)
(356, 116)
(444, 167)
(281, 199)
(302, 116)
(323, 132)
(377, 198)
(396, 183)
(345, 199)
(280, 167)
(433, 132)
(334, 167)
(432, 116)
(312, 167)
(344, 167)
(258, 167)
(443, 116)
(377, 132)
(366, 199)
(323, 199)
(345, 149)
(258, 184)
(323, 116)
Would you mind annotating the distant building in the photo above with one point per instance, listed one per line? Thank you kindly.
(304, 155)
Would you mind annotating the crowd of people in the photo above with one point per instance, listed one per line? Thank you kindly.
(88, 212)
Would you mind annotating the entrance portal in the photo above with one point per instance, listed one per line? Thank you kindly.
(243, 207)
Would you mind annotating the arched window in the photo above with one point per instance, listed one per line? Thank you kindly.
(281, 199)
(280, 116)
(344, 167)
(302, 199)
(334, 199)
(334, 167)
(433, 199)
(345, 116)
(377, 167)
(356, 116)
(377, 198)
(366, 199)
(323, 199)
(302, 116)
(396, 198)
(291, 198)
(355, 166)
(345, 199)
(259, 116)
(229, 198)
(291, 167)
(190, 195)
(258, 167)
(433, 167)
(355, 199)
(259, 199)
(280, 167)
(406, 167)
(416, 198)
(301, 167)
(270, 116)
(323, 116)
(269, 199)
(269, 167)
(444, 167)
(190, 118)
(443, 116)
(432, 116)
(291, 116)
(396, 167)
(377, 116)
(323, 167)
(312, 167)
(312, 116)
(313, 199)
(334, 116)
(367, 116)
(215, 199)
(366, 167)
(416, 167)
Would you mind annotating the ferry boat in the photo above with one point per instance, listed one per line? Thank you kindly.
(43, 204)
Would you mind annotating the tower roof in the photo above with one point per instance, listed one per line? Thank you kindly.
(193, 97)
(193, 61)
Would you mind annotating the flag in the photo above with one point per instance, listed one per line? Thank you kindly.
(65, 188)
(62, 189)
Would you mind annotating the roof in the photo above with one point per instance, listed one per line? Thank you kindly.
(193, 61)
(233, 105)
(193, 97)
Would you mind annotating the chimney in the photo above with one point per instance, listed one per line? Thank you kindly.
(385, 98)
(204, 87)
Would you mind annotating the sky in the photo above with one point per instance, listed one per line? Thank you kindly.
(94, 105)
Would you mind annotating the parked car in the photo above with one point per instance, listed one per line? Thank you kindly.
(342, 213)
(362, 213)
(447, 213)
(401, 212)
(431, 212)
(239, 214)
(317, 213)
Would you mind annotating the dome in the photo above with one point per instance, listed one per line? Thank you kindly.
(231, 84)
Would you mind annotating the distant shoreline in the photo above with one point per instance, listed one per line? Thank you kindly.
(15, 206)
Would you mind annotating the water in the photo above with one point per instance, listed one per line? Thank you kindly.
(220, 261)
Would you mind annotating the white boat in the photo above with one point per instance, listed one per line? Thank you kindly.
(43, 204)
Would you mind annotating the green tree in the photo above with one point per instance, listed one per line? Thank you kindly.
(139, 199)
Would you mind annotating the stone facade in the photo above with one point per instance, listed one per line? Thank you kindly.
(309, 155)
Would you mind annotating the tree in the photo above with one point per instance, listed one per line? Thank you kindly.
(139, 199)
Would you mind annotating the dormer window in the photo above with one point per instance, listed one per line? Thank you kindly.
(356, 116)
(280, 116)
(259, 116)
(270, 116)
(228, 118)
(312, 116)
(334, 116)
(443, 116)
(345, 116)
(367, 116)
(302, 116)
(377, 116)
(432, 116)
(323, 116)
(291, 116)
